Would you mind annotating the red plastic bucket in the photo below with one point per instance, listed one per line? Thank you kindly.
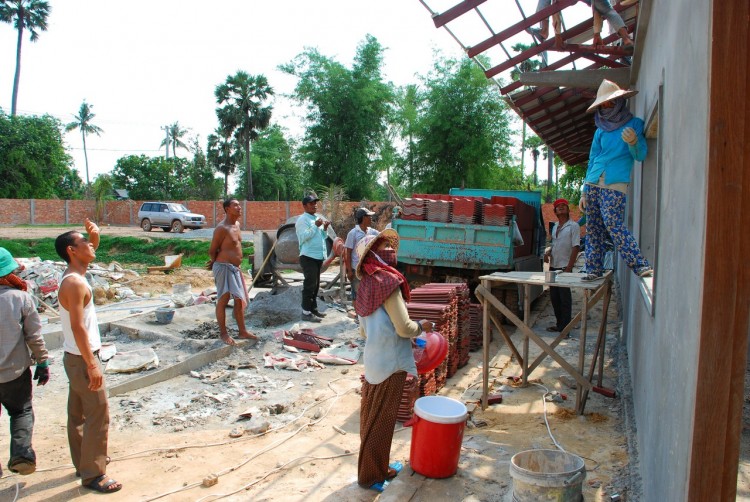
(436, 436)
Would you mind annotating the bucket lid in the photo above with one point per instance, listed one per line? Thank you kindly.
(434, 352)
(440, 410)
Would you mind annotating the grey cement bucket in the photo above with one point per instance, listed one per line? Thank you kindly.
(547, 475)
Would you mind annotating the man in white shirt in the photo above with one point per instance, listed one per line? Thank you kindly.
(566, 244)
(363, 217)
(88, 408)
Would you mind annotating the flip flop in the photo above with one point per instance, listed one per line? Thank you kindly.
(393, 469)
(102, 484)
(379, 487)
(78, 474)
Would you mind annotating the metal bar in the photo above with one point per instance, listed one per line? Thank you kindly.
(456, 11)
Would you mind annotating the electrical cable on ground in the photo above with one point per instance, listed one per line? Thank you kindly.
(549, 431)
(335, 398)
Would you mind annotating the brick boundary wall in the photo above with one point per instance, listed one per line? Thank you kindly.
(255, 215)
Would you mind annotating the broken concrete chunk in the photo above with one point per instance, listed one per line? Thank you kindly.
(258, 427)
(210, 480)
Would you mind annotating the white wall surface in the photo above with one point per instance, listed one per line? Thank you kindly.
(663, 347)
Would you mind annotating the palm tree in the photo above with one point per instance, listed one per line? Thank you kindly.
(83, 122)
(222, 155)
(243, 113)
(28, 15)
(174, 137)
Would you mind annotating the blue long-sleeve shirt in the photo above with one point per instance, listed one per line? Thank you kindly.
(312, 238)
(611, 156)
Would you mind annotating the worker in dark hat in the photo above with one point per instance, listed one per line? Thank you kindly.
(311, 233)
(363, 217)
(20, 337)
(618, 142)
(566, 244)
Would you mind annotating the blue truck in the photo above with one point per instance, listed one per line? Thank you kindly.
(448, 252)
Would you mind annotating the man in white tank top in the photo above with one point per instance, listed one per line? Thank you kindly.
(88, 408)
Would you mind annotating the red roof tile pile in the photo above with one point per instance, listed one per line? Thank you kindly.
(408, 396)
(439, 210)
(414, 209)
(496, 214)
(476, 316)
(444, 317)
(467, 210)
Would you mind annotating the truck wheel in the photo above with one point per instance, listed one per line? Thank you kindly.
(146, 225)
(177, 227)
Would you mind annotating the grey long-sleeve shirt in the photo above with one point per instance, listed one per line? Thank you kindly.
(20, 332)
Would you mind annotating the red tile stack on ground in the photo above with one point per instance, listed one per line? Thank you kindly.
(444, 318)
(408, 396)
(476, 316)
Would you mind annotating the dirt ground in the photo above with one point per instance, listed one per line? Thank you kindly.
(165, 439)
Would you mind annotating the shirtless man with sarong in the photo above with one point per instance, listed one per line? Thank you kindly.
(225, 257)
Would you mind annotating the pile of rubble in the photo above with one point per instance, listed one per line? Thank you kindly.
(109, 283)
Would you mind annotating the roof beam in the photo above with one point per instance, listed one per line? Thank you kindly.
(589, 79)
(519, 27)
(548, 44)
(456, 11)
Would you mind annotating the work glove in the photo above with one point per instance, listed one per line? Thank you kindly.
(629, 136)
(42, 374)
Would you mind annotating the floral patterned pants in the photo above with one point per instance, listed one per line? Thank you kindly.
(604, 215)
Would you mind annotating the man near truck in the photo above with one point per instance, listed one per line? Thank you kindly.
(566, 244)
(363, 217)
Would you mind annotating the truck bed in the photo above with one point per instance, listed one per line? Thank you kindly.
(473, 247)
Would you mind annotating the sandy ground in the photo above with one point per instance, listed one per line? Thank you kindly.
(165, 439)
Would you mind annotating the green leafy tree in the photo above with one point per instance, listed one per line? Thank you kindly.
(203, 185)
(175, 133)
(463, 133)
(242, 112)
(83, 123)
(571, 182)
(102, 189)
(223, 155)
(347, 116)
(278, 176)
(153, 177)
(535, 146)
(33, 160)
(406, 120)
(28, 15)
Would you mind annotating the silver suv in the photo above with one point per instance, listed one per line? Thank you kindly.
(170, 216)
